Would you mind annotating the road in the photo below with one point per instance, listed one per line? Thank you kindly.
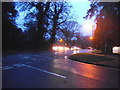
(54, 70)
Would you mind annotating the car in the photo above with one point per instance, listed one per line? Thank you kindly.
(55, 48)
(75, 48)
(89, 47)
(116, 49)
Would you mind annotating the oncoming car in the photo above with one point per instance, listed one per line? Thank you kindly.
(75, 48)
(55, 48)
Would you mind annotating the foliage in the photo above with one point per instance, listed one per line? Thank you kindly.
(69, 30)
(36, 24)
(11, 38)
(106, 33)
(58, 14)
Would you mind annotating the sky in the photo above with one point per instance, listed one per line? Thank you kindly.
(79, 10)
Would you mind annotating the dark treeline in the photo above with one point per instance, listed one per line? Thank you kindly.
(10, 36)
(107, 33)
(53, 21)
(49, 17)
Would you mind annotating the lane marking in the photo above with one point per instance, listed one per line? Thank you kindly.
(6, 67)
(55, 74)
(19, 65)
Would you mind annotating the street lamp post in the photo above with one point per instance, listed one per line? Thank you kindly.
(92, 36)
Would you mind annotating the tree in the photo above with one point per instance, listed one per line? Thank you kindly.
(106, 33)
(69, 30)
(58, 14)
(40, 20)
(10, 35)
(42, 24)
(34, 22)
(27, 13)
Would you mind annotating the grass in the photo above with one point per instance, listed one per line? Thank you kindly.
(90, 58)
(96, 59)
(97, 51)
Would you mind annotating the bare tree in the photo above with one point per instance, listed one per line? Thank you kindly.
(58, 14)
(69, 30)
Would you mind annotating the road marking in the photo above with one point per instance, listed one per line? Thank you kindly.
(19, 65)
(55, 74)
(6, 67)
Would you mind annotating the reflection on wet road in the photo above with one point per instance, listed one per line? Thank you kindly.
(65, 53)
(87, 70)
(53, 69)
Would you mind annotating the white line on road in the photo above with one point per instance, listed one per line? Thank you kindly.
(6, 67)
(18, 65)
(45, 71)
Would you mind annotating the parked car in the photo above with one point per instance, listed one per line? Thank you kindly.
(116, 49)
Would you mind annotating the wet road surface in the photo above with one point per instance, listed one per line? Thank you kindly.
(54, 70)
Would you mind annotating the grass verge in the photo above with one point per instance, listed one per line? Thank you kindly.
(95, 59)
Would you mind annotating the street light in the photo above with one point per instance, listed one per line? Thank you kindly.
(91, 38)
(61, 40)
(92, 30)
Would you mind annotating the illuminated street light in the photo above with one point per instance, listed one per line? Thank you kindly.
(61, 40)
(91, 38)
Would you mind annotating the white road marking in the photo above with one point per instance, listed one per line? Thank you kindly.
(6, 67)
(45, 71)
(19, 65)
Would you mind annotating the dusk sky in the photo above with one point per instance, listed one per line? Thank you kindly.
(80, 9)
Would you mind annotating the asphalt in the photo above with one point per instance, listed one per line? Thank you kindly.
(54, 70)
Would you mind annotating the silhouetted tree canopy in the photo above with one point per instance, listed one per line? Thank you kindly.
(107, 31)
(11, 37)
(69, 30)
(38, 24)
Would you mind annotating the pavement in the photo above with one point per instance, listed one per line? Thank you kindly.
(54, 70)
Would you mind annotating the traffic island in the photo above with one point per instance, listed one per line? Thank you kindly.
(96, 59)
